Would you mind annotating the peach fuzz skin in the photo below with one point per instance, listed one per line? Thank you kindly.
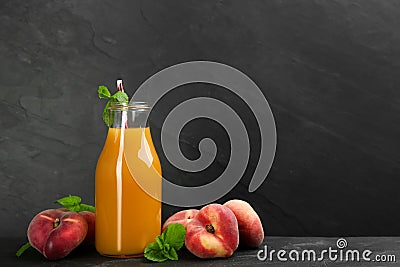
(251, 232)
(213, 232)
(183, 217)
(90, 218)
(55, 233)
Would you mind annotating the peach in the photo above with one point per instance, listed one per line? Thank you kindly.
(213, 232)
(90, 218)
(183, 217)
(251, 233)
(55, 233)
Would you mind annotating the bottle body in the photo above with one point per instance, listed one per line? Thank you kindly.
(128, 217)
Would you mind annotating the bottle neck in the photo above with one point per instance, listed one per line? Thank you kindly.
(124, 115)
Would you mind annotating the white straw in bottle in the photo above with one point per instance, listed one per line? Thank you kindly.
(124, 121)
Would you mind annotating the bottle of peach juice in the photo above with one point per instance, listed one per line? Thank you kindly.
(128, 184)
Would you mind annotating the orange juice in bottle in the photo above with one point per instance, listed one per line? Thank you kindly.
(128, 185)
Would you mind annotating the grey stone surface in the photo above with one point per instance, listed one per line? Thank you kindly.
(329, 69)
(385, 251)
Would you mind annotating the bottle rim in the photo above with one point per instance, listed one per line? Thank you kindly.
(136, 105)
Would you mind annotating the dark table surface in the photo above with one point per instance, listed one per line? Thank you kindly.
(384, 248)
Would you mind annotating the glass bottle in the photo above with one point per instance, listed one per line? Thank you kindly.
(128, 184)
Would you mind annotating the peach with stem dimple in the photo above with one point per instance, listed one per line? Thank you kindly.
(213, 232)
(55, 233)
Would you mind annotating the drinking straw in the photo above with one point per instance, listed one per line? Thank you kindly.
(120, 86)
(124, 120)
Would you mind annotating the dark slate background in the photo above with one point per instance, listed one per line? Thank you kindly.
(329, 69)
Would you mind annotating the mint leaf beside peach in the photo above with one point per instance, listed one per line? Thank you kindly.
(56, 232)
(216, 230)
(167, 244)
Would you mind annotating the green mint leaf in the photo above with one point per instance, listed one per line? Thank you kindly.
(85, 207)
(22, 249)
(175, 235)
(160, 242)
(166, 248)
(172, 255)
(73, 203)
(120, 96)
(154, 253)
(69, 201)
(167, 244)
(73, 208)
(108, 120)
(103, 92)
(162, 237)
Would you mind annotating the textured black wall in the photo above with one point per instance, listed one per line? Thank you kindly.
(329, 69)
